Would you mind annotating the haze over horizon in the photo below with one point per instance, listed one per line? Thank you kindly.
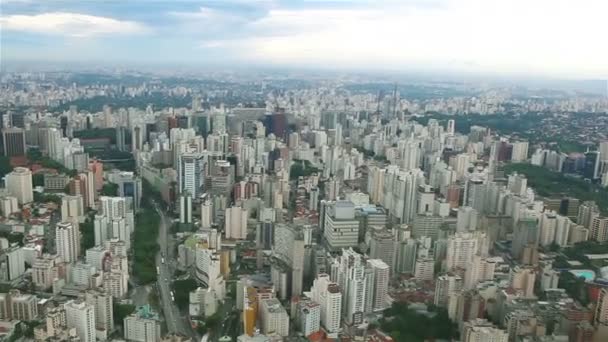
(546, 38)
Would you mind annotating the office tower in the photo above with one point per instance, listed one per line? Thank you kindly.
(67, 240)
(114, 207)
(14, 142)
(578, 234)
(185, 208)
(522, 279)
(72, 208)
(460, 250)
(446, 286)
(381, 278)
(190, 173)
(138, 135)
(142, 326)
(236, 223)
(382, 246)
(274, 319)
(81, 316)
(19, 185)
(406, 256)
(349, 271)
(427, 225)
(104, 314)
(328, 295)
(586, 212)
(341, 229)
(592, 165)
(129, 186)
(599, 228)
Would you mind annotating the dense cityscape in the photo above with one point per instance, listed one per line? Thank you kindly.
(140, 207)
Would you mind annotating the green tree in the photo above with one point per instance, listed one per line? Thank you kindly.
(181, 291)
(109, 189)
(121, 311)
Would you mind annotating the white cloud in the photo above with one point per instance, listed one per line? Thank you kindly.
(560, 37)
(70, 24)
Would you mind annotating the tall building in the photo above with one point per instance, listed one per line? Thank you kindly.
(67, 240)
(406, 256)
(586, 212)
(310, 317)
(328, 295)
(341, 229)
(236, 223)
(185, 208)
(446, 286)
(190, 173)
(480, 330)
(599, 229)
(522, 279)
(274, 318)
(460, 250)
(349, 272)
(104, 313)
(601, 308)
(142, 326)
(380, 284)
(81, 316)
(72, 208)
(18, 306)
(14, 142)
(382, 246)
(19, 184)
(129, 186)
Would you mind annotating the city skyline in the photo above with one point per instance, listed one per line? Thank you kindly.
(545, 38)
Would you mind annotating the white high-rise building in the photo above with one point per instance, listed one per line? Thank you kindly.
(81, 316)
(349, 272)
(236, 223)
(328, 295)
(142, 326)
(19, 184)
(104, 315)
(478, 270)
(190, 173)
(72, 208)
(310, 317)
(341, 229)
(100, 226)
(480, 330)
(520, 151)
(380, 283)
(67, 240)
(460, 250)
(548, 225)
(445, 286)
(206, 214)
(185, 208)
(8, 205)
(274, 318)
(114, 207)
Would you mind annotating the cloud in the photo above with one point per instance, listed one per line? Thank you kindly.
(70, 24)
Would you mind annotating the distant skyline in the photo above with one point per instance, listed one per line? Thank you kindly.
(553, 38)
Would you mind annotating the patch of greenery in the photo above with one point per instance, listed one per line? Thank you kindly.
(406, 324)
(301, 168)
(45, 198)
(97, 133)
(5, 166)
(549, 183)
(87, 232)
(145, 245)
(121, 311)
(181, 290)
(109, 189)
(575, 287)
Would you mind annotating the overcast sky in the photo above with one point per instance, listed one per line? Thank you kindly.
(561, 38)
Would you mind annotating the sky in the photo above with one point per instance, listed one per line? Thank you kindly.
(561, 38)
